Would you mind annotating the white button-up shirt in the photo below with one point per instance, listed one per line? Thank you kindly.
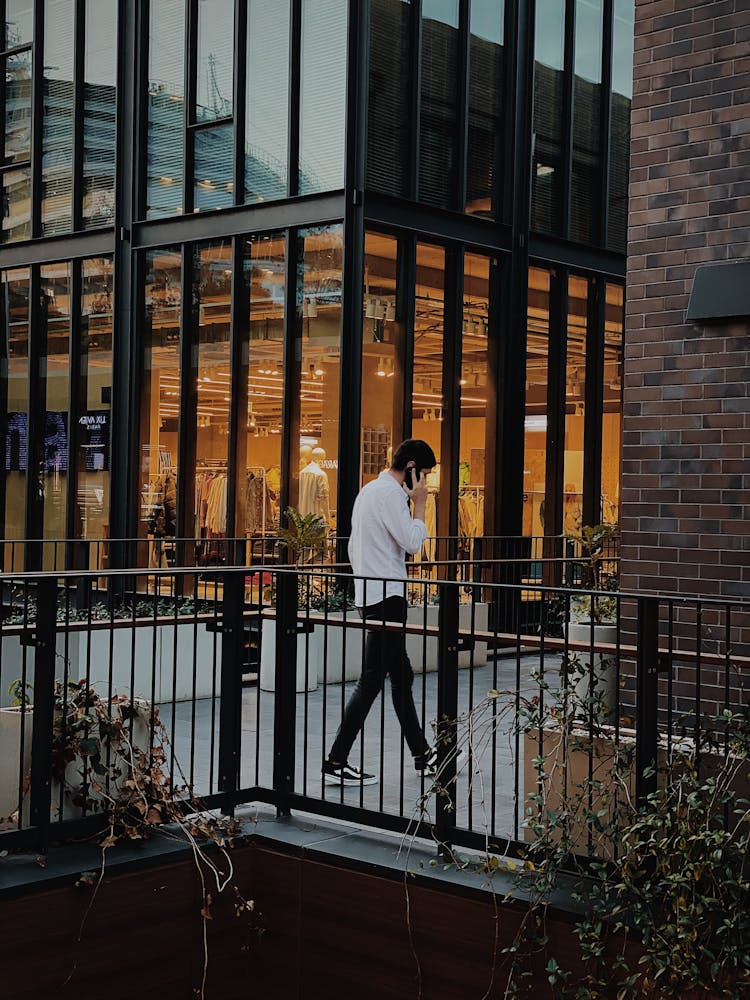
(383, 531)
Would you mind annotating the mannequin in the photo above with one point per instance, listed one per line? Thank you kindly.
(305, 456)
(313, 487)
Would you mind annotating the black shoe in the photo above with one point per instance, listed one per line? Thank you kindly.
(427, 762)
(346, 774)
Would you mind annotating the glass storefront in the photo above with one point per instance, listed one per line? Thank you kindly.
(234, 324)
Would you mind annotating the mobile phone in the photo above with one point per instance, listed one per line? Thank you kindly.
(413, 476)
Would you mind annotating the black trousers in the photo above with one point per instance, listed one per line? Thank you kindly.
(385, 654)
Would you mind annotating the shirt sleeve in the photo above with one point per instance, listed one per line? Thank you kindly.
(409, 532)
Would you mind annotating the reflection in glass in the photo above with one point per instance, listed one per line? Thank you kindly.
(388, 126)
(14, 358)
(473, 394)
(57, 128)
(382, 356)
(56, 313)
(19, 23)
(160, 402)
(166, 110)
(535, 413)
(215, 61)
(427, 392)
(549, 55)
(99, 113)
(322, 96)
(319, 300)
(586, 176)
(622, 92)
(614, 326)
(17, 107)
(93, 431)
(16, 194)
(266, 119)
(262, 388)
(575, 406)
(212, 280)
(486, 67)
(213, 168)
(437, 121)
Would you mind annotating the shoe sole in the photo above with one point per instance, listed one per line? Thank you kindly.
(331, 779)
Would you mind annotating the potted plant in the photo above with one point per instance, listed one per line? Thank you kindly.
(593, 620)
(305, 540)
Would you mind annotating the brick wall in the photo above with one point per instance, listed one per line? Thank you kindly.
(686, 428)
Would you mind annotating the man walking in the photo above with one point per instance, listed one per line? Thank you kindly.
(383, 531)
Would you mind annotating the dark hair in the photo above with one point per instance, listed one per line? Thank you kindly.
(413, 450)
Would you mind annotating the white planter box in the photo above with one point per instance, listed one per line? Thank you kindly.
(198, 662)
(12, 767)
(334, 640)
(424, 654)
(161, 660)
(309, 657)
(604, 666)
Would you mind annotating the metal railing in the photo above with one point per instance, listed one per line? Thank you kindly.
(245, 686)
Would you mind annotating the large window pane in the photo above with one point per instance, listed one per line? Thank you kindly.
(99, 113)
(322, 96)
(486, 67)
(266, 117)
(160, 403)
(473, 394)
(437, 120)
(587, 180)
(19, 23)
(57, 138)
(549, 56)
(535, 414)
(93, 430)
(16, 194)
(575, 409)
(166, 122)
(389, 101)
(262, 389)
(213, 168)
(14, 393)
(56, 313)
(213, 283)
(17, 70)
(319, 298)
(622, 92)
(382, 356)
(427, 390)
(612, 416)
(215, 62)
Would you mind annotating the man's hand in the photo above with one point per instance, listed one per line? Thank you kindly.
(417, 492)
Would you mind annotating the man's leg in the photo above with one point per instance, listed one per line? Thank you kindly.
(402, 680)
(369, 684)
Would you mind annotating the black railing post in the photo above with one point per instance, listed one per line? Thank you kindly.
(285, 687)
(447, 713)
(230, 712)
(44, 707)
(647, 698)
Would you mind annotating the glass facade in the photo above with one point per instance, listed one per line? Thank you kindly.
(315, 233)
